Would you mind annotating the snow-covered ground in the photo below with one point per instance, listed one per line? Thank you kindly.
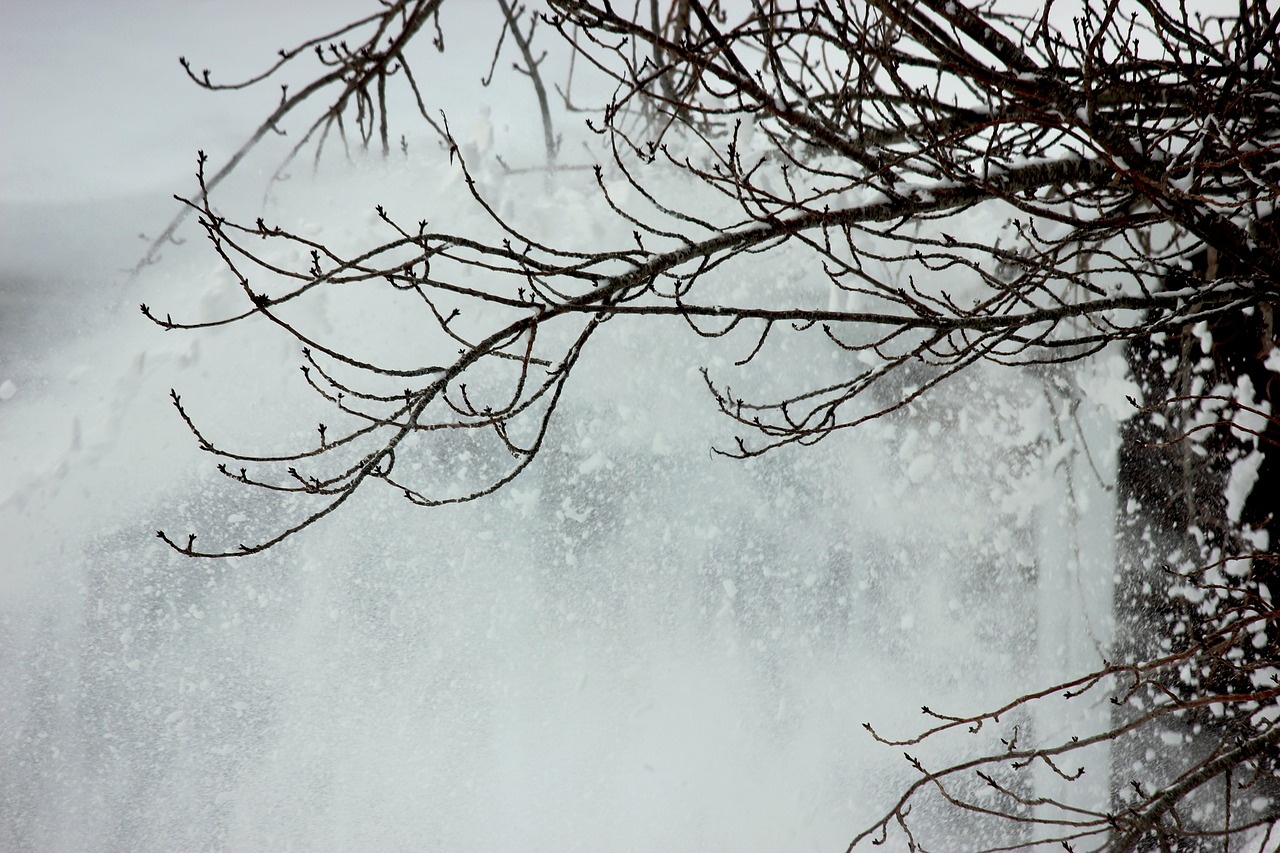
(636, 646)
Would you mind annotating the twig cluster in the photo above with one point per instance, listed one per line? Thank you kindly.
(859, 137)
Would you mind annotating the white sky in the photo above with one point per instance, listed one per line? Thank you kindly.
(440, 683)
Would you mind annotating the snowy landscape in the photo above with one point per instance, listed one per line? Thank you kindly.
(637, 644)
